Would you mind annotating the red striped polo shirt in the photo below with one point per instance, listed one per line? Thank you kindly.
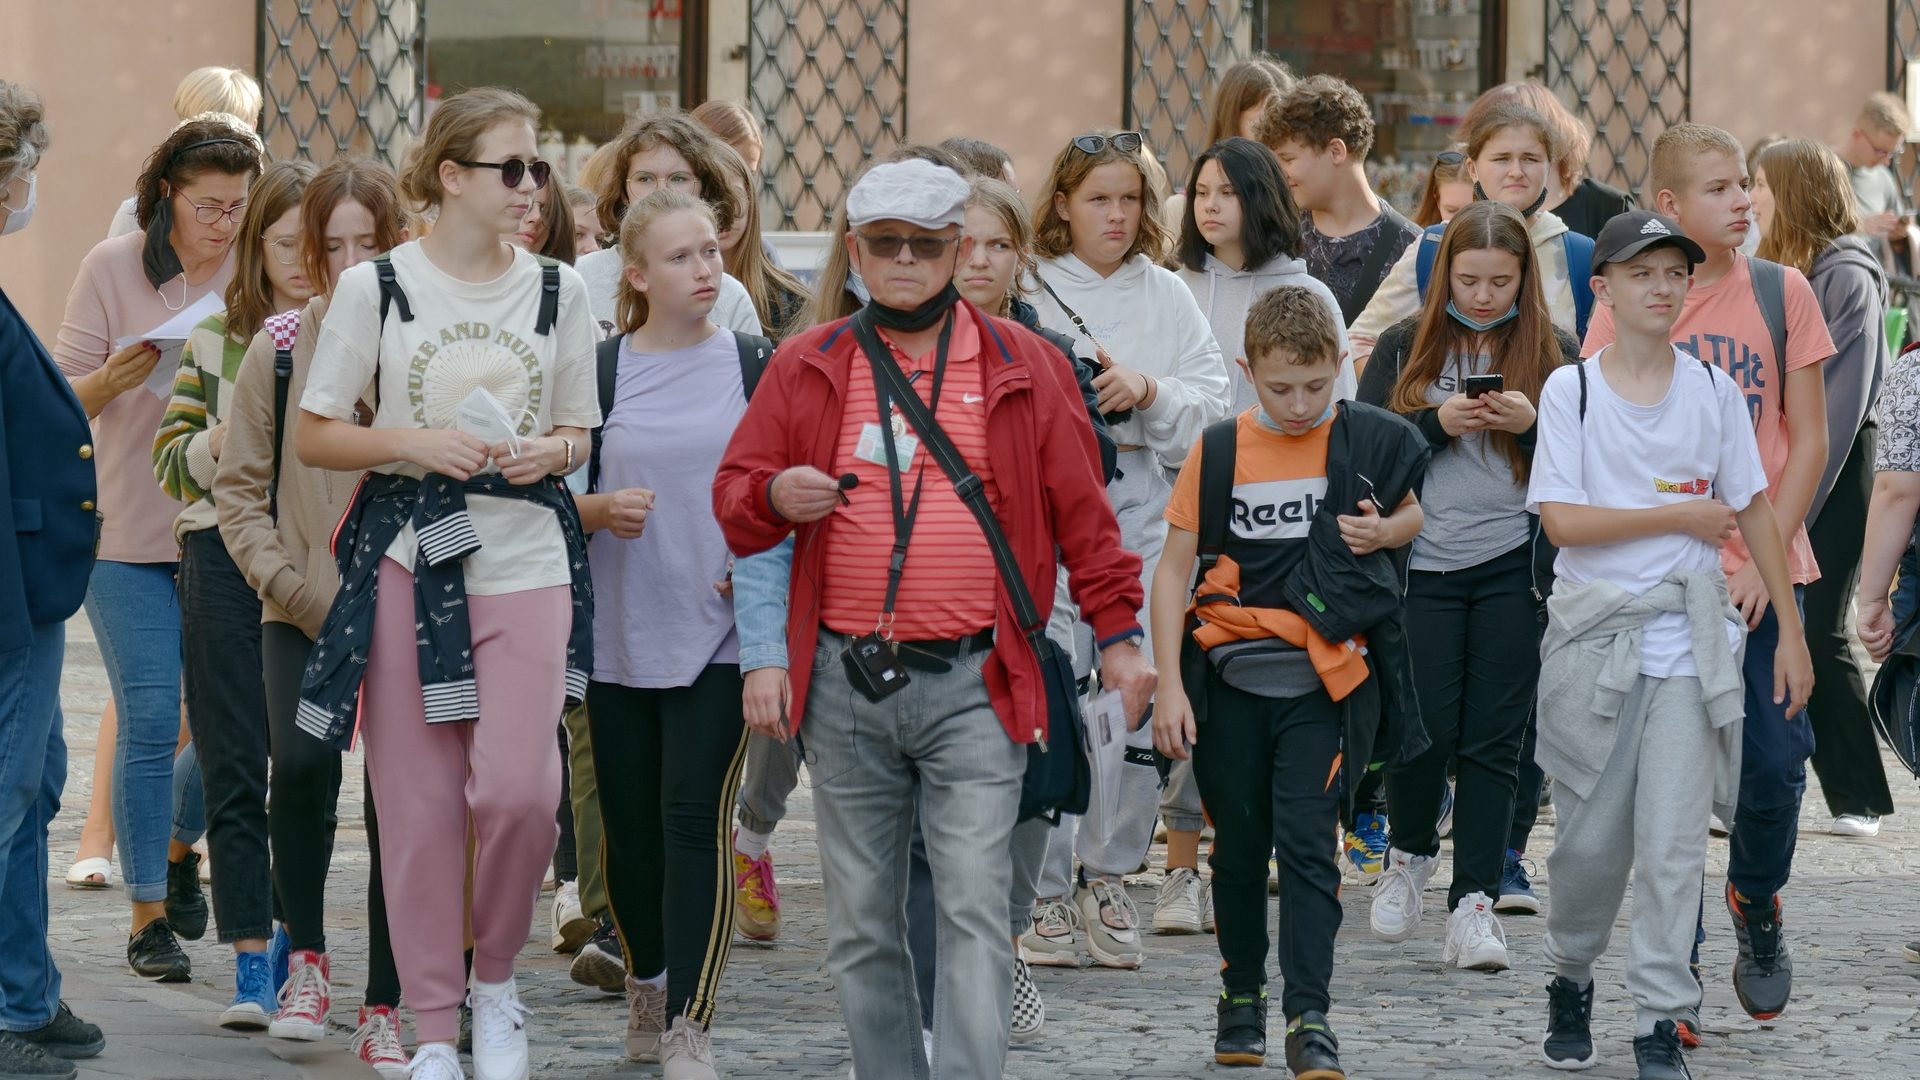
(950, 582)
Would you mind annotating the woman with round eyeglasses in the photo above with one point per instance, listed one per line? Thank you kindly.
(655, 152)
(192, 195)
(219, 611)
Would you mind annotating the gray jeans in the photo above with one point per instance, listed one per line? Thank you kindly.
(773, 771)
(938, 737)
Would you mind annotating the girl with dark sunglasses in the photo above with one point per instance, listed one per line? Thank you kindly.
(457, 636)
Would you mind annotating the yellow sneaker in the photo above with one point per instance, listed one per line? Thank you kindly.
(756, 899)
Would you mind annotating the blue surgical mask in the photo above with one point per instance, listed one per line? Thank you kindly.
(1482, 327)
(1268, 422)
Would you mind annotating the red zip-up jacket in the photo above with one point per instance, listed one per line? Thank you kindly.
(1044, 464)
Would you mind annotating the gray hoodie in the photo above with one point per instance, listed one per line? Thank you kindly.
(1590, 659)
(1224, 295)
(1851, 286)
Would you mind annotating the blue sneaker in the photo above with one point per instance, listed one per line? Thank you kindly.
(1366, 845)
(1444, 827)
(279, 949)
(253, 1000)
(1516, 891)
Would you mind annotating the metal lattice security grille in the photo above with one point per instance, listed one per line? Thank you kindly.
(1176, 51)
(1626, 68)
(1903, 48)
(830, 77)
(341, 76)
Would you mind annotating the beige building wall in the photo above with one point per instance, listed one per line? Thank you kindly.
(106, 72)
(1026, 75)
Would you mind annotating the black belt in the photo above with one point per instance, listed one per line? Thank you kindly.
(937, 655)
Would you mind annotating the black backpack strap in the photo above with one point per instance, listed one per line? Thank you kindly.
(1217, 453)
(549, 297)
(606, 358)
(1770, 293)
(391, 294)
(755, 353)
(1581, 367)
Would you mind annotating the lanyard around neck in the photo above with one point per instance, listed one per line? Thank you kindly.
(903, 514)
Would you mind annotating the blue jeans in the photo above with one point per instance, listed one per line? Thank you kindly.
(1773, 773)
(136, 619)
(1906, 589)
(33, 769)
(938, 739)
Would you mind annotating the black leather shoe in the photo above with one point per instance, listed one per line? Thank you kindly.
(186, 904)
(67, 1036)
(1243, 1030)
(21, 1060)
(1312, 1051)
(154, 953)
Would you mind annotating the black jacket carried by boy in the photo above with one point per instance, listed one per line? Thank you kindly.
(1371, 454)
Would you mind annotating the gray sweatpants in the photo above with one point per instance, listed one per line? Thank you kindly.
(1114, 847)
(1646, 815)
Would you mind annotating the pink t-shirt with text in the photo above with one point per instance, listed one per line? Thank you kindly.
(1721, 323)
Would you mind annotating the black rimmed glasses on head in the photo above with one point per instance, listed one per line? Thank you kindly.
(208, 213)
(888, 245)
(513, 170)
(1127, 142)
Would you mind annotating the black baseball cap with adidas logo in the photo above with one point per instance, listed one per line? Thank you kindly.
(1635, 231)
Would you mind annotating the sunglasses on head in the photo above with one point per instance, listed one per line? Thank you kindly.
(513, 170)
(1126, 142)
(1449, 157)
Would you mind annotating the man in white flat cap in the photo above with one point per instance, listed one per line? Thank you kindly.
(925, 683)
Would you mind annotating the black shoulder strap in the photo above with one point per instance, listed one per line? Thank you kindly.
(1770, 293)
(549, 296)
(1217, 453)
(755, 353)
(1373, 271)
(606, 361)
(391, 294)
(282, 377)
(1580, 366)
(971, 489)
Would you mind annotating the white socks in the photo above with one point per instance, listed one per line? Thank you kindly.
(751, 844)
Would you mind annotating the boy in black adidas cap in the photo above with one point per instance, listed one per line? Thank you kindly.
(1646, 465)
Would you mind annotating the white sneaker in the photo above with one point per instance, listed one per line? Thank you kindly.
(1475, 940)
(1206, 908)
(646, 1021)
(1861, 825)
(1029, 1012)
(571, 927)
(1177, 911)
(1112, 924)
(1050, 943)
(687, 1052)
(435, 1061)
(1716, 827)
(499, 1032)
(1396, 896)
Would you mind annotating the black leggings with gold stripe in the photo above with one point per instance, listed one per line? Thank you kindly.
(673, 759)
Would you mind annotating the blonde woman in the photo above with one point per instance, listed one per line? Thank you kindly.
(1804, 203)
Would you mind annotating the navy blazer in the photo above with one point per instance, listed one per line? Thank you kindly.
(47, 488)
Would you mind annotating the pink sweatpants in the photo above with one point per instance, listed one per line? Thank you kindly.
(504, 770)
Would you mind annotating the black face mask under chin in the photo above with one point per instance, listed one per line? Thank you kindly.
(1481, 193)
(915, 319)
(157, 257)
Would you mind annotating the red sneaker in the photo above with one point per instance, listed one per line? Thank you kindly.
(377, 1042)
(305, 1000)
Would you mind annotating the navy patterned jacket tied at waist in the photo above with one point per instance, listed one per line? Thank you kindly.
(437, 507)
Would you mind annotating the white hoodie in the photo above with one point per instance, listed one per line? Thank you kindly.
(733, 309)
(1224, 295)
(1149, 322)
(1399, 294)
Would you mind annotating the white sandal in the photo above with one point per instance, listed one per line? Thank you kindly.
(80, 875)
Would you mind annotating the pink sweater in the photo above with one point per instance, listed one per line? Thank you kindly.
(111, 299)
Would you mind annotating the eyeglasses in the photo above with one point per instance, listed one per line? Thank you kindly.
(285, 250)
(1449, 157)
(211, 212)
(513, 170)
(888, 245)
(1887, 153)
(1126, 142)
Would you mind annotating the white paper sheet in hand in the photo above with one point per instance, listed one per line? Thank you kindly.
(1105, 732)
(482, 416)
(170, 338)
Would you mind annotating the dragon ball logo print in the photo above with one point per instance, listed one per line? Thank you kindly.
(452, 362)
(1682, 487)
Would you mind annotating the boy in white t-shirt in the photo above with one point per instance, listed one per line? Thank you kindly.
(1645, 467)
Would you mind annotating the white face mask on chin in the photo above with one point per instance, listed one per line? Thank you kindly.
(17, 219)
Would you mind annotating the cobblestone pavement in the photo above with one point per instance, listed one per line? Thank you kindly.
(1399, 1012)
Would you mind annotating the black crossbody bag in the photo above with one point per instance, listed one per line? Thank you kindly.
(1058, 779)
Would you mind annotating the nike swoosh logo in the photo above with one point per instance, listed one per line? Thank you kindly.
(971, 399)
